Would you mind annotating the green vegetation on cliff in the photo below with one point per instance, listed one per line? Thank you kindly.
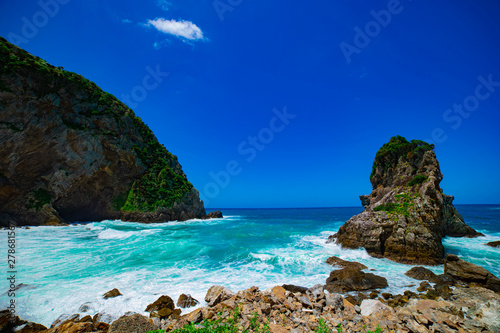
(389, 154)
(162, 183)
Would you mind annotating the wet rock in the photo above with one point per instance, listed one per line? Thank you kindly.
(102, 317)
(422, 273)
(135, 323)
(347, 279)
(494, 244)
(85, 307)
(112, 293)
(186, 301)
(336, 261)
(468, 272)
(217, 294)
(65, 318)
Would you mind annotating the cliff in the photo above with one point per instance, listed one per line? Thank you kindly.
(72, 152)
(407, 214)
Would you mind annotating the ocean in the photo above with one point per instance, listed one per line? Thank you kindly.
(62, 268)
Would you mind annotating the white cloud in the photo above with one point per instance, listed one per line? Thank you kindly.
(184, 29)
(126, 21)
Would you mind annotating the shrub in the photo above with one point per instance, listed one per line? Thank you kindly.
(418, 179)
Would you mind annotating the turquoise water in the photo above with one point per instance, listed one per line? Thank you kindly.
(65, 267)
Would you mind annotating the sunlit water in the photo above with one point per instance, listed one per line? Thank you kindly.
(64, 267)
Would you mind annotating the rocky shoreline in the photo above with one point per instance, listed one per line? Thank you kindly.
(466, 298)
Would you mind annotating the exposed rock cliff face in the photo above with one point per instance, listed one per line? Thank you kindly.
(406, 215)
(71, 152)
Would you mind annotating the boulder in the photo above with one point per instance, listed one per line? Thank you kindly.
(348, 279)
(335, 301)
(215, 215)
(422, 273)
(72, 327)
(369, 306)
(279, 292)
(336, 261)
(494, 244)
(135, 323)
(470, 273)
(112, 293)
(161, 303)
(217, 294)
(406, 215)
(186, 301)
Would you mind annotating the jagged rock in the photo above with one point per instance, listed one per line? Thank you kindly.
(71, 152)
(112, 293)
(30, 328)
(422, 273)
(102, 318)
(494, 244)
(369, 306)
(424, 286)
(72, 327)
(164, 302)
(406, 214)
(348, 279)
(335, 300)
(135, 323)
(468, 272)
(186, 301)
(217, 294)
(336, 261)
(215, 215)
(7, 322)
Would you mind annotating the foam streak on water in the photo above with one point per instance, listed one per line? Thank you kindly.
(64, 267)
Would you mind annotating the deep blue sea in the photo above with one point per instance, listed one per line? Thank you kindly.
(65, 267)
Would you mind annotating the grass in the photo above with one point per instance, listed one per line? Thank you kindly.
(41, 197)
(231, 325)
(402, 207)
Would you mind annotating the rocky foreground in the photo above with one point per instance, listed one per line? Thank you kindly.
(407, 214)
(466, 298)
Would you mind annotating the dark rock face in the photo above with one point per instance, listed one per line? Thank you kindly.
(72, 152)
(351, 279)
(470, 273)
(406, 215)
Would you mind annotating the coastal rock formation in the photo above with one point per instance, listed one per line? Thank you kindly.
(407, 214)
(353, 279)
(72, 152)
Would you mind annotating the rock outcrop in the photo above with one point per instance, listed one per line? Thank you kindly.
(72, 152)
(467, 272)
(407, 214)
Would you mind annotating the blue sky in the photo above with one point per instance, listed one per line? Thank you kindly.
(285, 103)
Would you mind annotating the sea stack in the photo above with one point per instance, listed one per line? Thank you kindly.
(72, 152)
(407, 214)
